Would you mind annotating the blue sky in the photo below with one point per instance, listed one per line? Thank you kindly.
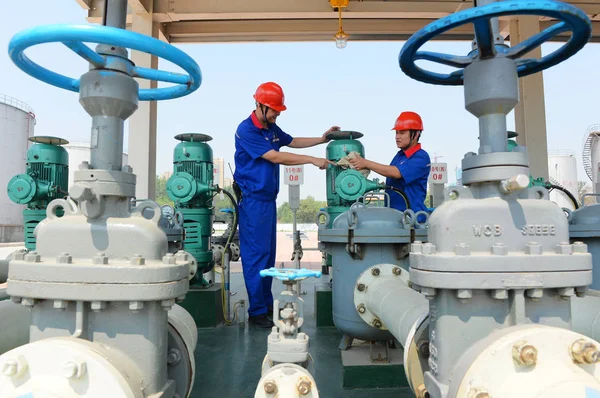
(359, 88)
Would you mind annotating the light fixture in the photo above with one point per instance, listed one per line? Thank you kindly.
(341, 37)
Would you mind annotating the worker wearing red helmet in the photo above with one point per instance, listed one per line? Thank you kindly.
(257, 158)
(409, 169)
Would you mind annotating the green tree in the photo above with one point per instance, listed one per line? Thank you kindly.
(161, 192)
(306, 214)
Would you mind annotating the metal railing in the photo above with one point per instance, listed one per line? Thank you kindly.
(15, 103)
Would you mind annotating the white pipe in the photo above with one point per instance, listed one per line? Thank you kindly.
(15, 319)
(585, 315)
(396, 305)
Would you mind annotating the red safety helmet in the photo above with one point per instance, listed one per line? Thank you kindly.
(408, 121)
(271, 94)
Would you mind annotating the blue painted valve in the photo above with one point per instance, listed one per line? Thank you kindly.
(290, 274)
(571, 19)
(73, 36)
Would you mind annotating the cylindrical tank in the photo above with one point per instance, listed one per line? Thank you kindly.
(17, 122)
(191, 188)
(79, 152)
(562, 167)
(595, 157)
(358, 239)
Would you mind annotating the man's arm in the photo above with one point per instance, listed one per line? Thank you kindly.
(307, 142)
(292, 159)
(360, 163)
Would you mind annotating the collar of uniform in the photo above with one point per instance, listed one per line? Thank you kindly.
(411, 151)
(256, 122)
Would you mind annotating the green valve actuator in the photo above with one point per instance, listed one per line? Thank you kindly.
(191, 188)
(46, 178)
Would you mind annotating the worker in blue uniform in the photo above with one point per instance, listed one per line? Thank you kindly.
(256, 179)
(409, 169)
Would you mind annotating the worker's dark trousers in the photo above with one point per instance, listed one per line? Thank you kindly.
(258, 244)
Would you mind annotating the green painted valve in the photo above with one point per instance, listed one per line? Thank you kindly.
(191, 188)
(46, 178)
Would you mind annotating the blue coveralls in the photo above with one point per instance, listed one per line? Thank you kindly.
(259, 181)
(414, 166)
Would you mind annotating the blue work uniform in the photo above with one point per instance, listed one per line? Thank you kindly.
(414, 166)
(258, 180)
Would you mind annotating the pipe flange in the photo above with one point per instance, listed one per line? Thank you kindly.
(367, 278)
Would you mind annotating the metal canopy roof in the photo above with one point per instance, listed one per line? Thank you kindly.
(205, 21)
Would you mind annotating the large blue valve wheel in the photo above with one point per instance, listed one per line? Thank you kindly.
(290, 274)
(73, 36)
(570, 19)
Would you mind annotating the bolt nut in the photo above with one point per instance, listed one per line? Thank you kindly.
(566, 292)
(534, 248)
(428, 292)
(535, 294)
(136, 305)
(85, 165)
(64, 258)
(375, 271)
(169, 258)
(397, 271)
(60, 304)
(421, 391)
(462, 249)
(423, 348)
(97, 306)
(100, 258)
(499, 294)
(18, 255)
(564, 248)
(377, 323)
(74, 369)
(361, 308)
(524, 354)
(28, 301)
(182, 256)
(14, 367)
(581, 291)
(428, 248)
(16, 299)
(584, 352)
(270, 387)
(137, 259)
(499, 249)
(180, 299)
(361, 287)
(416, 247)
(464, 294)
(579, 247)
(127, 169)
(173, 356)
(167, 304)
(304, 385)
(33, 257)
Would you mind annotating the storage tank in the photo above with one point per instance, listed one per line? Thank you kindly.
(79, 152)
(562, 167)
(17, 122)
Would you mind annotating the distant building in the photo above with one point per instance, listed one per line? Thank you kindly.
(227, 182)
(219, 171)
(166, 175)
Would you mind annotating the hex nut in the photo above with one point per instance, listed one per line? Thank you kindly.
(28, 301)
(428, 248)
(270, 387)
(15, 367)
(584, 352)
(535, 294)
(361, 287)
(500, 294)
(137, 259)
(534, 248)
(499, 249)
(64, 258)
(464, 294)
(579, 247)
(416, 247)
(33, 257)
(169, 258)
(100, 258)
(397, 271)
(524, 354)
(564, 248)
(377, 323)
(361, 308)
(136, 305)
(581, 291)
(304, 386)
(375, 271)
(566, 292)
(74, 369)
(60, 304)
(97, 306)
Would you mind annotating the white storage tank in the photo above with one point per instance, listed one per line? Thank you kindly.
(17, 122)
(78, 152)
(562, 167)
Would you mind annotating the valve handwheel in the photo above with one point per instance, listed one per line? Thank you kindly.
(73, 36)
(290, 274)
(570, 19)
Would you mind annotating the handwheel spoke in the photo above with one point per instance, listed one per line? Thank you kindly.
(535, 41)
(86, 53)
(484, 36)
(444, 59)
(160, 75)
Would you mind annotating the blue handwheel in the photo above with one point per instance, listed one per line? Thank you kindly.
(73, 36)
(571, 19)
(290, 274)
